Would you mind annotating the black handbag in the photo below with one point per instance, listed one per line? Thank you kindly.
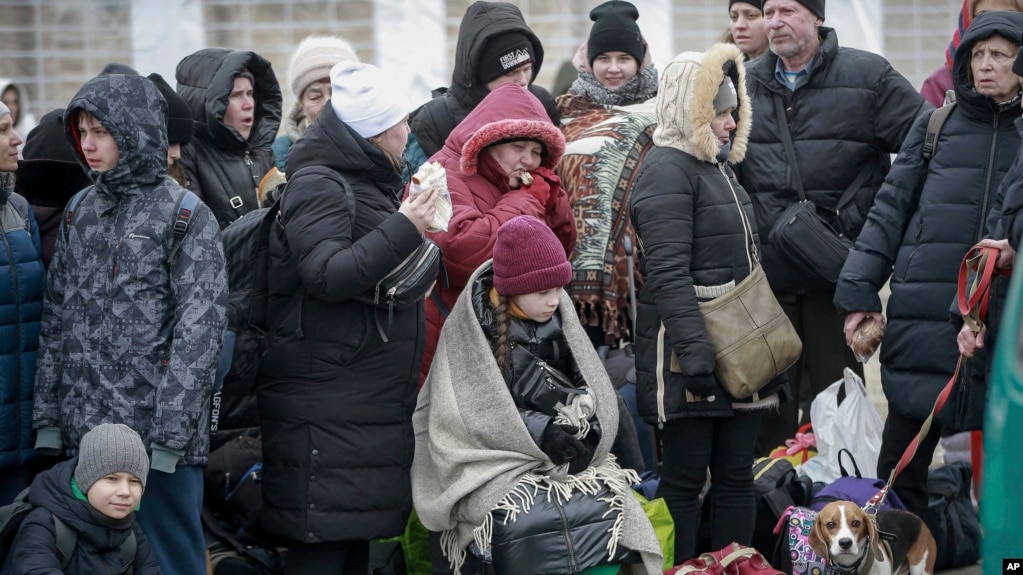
(800, 234)
(542, 387)
(410, 282)
(406, 285)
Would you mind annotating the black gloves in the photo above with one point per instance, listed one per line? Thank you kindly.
(699, 385)
(560, 444)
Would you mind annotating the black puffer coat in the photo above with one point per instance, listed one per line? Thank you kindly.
(432, 123)
(925, 218)
(335, 400)
(690, 215)
(223, 169)
(852, 113)
(97, 548)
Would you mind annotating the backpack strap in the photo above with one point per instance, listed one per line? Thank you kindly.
(66, 538)
(69, 211)
(184, 209)
(934, 125)
(128, 550)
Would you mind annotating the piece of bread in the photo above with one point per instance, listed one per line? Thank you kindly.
(425, 171)
(527, 178)
(867, 339)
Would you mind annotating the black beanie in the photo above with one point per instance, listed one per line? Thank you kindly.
(49, 173)
(758, 4)
(615, 30)
(815, 6)
(117, 68)
(502, 54)
(179, 118)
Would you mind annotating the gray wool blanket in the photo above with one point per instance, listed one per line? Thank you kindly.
(473, 453)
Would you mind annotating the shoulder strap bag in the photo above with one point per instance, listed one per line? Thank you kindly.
(754, 341)
(805, 239)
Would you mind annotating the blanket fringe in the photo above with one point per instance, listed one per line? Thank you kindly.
(521, 499)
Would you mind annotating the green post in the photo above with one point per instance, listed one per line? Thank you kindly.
(1001, 494)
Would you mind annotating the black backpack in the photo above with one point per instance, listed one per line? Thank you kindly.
(951, 516)
(246, 249)
(12, 515)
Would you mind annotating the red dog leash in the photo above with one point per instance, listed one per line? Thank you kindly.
(973, 303)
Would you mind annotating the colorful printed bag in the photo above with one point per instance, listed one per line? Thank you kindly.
(792, 553)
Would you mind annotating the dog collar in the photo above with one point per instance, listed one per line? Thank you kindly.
(860, 567)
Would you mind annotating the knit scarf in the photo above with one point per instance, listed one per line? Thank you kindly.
(639, 88)
(474, 455)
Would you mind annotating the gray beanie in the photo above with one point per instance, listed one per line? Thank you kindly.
(110, 448)
(726, 98)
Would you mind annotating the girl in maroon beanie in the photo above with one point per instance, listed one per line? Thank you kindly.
(515, 424)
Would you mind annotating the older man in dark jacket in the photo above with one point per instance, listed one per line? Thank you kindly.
(236, 104)
(130, 330)
(847, 111)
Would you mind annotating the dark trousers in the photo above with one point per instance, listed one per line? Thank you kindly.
(169, 515)
(911, 484)
(824, 357)
(336, 558)
(725, 446)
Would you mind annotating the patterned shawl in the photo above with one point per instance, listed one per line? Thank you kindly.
(605, 146)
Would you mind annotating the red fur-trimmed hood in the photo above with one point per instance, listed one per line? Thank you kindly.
(508, 112)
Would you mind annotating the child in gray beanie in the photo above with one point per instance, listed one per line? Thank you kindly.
(83, 516)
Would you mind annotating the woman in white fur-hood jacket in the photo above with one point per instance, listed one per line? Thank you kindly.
(698, 240)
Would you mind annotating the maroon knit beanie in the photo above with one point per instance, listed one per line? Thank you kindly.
(528, 258)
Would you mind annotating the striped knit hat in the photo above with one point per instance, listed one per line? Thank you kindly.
(957, 36)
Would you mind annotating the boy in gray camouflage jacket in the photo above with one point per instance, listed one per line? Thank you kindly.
(130, 335)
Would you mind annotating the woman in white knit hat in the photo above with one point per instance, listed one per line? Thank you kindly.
(309, 79)
(338, 386)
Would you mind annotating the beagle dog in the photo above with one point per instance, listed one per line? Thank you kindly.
(853, 544)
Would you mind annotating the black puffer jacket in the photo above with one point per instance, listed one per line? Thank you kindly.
(97, 548)
(691, 218)
(432, 123)
(335, 400)
(852, 113)
(223, 169)
(925, 218)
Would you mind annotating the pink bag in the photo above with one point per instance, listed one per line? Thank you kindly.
(735, 559)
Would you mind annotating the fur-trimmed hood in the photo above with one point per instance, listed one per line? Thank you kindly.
(508, 112)
(685, 103)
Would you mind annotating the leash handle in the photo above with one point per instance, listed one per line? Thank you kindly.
(973, 304)
(973, 300)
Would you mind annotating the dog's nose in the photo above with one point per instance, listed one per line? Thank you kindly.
(845, 543)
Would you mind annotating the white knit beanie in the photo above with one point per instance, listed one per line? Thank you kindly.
(4, 110)
(313, 59)
(367, 99)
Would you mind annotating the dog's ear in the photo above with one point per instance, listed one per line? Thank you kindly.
(819, 538)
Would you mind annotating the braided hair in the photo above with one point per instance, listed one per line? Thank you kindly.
(502, 322)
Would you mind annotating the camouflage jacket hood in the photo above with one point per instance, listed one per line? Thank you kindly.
(128, 336)
(135, 114)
